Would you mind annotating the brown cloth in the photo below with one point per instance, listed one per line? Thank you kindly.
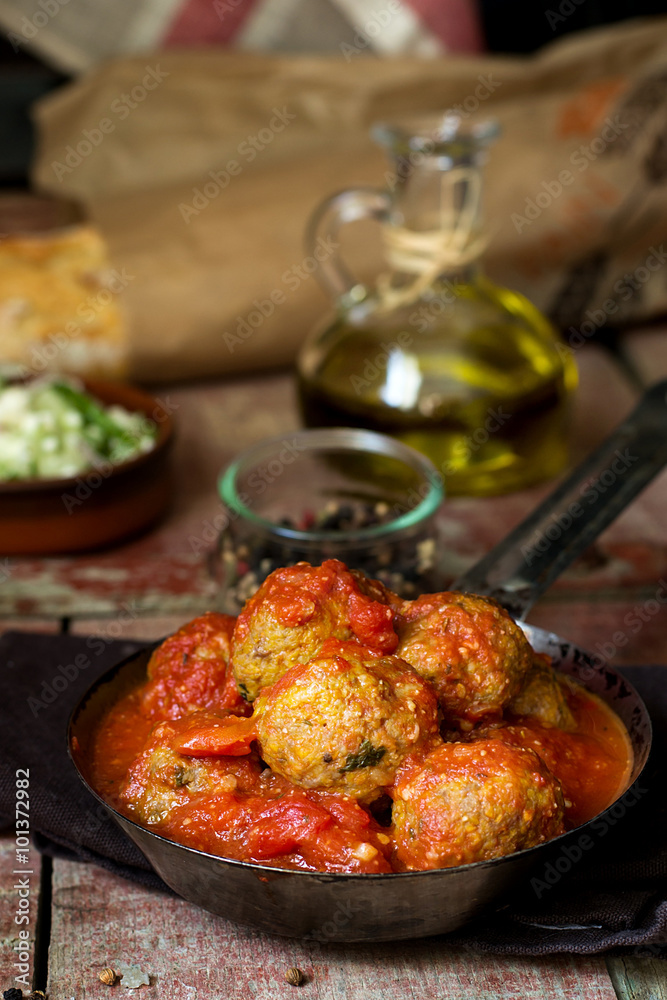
(203, 168)
(614, 895)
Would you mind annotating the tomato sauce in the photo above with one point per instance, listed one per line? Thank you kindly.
(257, 816)
(234, 807)
(180, 756)
(593, 762)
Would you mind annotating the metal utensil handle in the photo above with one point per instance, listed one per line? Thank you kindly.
(521, 567)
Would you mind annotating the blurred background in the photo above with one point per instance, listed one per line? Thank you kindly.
(47, 43)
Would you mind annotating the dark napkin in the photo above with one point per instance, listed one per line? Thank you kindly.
(613, 896)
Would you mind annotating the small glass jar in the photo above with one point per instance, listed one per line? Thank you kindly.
(340, 493)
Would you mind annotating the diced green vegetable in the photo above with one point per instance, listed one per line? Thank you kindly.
(50, 429)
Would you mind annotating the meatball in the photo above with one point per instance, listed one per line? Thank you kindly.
(191, 671)
(345, 720)
(469, 648)
(542, 696)
(296, 609)
(162, 780)
(587, 767)
(233, 807)
(468, 802)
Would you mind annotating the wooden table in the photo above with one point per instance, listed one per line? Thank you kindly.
(89, 918)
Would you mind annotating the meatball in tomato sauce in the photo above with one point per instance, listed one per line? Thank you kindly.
(161, 779)
(469, 648)
(233, 806)
(543, 696)
(191, 670)
(467, 802)
(296, 609)
(345, 720)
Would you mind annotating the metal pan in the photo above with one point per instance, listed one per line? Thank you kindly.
(348, 907)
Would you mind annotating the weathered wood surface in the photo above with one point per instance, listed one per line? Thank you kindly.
(100, 920)
(639, 978)
(165, 572)
(9, 901)
(144, 629)
(43, 626)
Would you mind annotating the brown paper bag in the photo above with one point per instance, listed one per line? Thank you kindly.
(202, 169)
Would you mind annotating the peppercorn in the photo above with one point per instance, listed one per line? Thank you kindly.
(295, 977)
(402, 564)
(13, 994)
(108, 976)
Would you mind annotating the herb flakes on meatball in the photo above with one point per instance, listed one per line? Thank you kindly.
(345, 720)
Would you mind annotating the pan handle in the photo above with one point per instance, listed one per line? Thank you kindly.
(521, 567)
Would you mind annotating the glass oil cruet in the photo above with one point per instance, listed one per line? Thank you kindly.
(435, 354)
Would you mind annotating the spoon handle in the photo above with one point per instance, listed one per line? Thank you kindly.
(521, 567)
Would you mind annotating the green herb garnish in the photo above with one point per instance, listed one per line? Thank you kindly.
(366, 756)
(96, 418)
(180, 776)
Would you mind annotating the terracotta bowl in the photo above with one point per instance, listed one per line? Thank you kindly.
(95, 508)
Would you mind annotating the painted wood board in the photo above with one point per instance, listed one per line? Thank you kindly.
(99, 919)
(639, 977)
(167, 572)
(629, 630)
(144, 629)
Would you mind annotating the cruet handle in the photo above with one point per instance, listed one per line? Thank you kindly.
(322, 235)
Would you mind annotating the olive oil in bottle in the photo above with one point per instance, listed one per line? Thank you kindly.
(468, 373)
